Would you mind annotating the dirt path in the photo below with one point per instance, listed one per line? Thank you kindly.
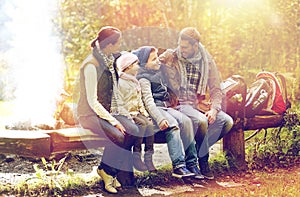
(14, 169)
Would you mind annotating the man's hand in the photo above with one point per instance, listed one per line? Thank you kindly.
(163, 125)
(211, 115)
(120, 127)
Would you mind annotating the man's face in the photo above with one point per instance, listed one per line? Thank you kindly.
(187, 50)
(153, 62)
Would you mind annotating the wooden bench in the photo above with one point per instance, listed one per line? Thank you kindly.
(48, 143)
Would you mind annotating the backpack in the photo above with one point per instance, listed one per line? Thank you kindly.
(276, 81)
(234, 90)
(257, 97)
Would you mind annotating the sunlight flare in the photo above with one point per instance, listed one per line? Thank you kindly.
(35, 61)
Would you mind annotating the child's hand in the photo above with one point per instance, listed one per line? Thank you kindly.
(163, 125)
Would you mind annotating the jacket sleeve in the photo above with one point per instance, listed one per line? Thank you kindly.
(90, 74)
(149, 101)
(124, 94)
(214, 84)
(170, 69)
(142, 107)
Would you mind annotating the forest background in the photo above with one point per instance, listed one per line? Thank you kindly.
(244, 36)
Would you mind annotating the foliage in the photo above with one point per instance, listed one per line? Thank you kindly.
(220, 163)
(241, 36)
(280, 148)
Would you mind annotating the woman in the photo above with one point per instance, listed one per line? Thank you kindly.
(98, 105)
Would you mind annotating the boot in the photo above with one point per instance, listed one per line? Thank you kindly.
(205, 169)
(149, 141)
(116, 183)
(108, 181)
(149, 162)
(138, 163)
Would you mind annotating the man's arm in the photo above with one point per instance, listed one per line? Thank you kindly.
(214, 84)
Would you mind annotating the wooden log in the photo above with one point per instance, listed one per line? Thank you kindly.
(263, 121)
(32, 144)
(234, 146)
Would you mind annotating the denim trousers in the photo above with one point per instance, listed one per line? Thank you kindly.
(206, 134)
(179, 138)
(118, 146)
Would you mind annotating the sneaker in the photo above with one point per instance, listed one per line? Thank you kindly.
(205, 170)
(194, 169)
(182, 172)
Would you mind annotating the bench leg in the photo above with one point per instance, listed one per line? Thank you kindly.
(234, 146)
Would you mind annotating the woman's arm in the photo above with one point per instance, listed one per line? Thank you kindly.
(90, 75)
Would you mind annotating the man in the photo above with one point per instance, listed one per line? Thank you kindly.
(190, 70)
(176, 127)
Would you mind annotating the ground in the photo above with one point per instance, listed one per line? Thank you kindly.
(13, 168)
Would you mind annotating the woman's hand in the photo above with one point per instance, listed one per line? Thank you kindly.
(120, 127)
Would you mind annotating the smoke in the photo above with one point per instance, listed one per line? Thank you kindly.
(35, 62)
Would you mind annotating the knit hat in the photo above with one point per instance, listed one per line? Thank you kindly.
(125, 60)
(143, 54)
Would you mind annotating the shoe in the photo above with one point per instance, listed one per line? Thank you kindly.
(182, 172)
(108, 181)
(116, 183)
(194, 169)
(205, 170)
(149, 162)
(138, 163)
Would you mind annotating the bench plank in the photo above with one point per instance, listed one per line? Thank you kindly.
(26, 143)
(64, 140)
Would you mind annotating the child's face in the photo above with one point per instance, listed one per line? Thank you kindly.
(153, 62)
(132, 69)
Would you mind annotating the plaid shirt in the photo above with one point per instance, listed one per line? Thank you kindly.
(193, 75)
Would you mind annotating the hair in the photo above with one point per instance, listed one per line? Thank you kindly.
(190, 34)
(106, 35)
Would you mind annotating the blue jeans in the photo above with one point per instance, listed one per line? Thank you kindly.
(206, 135)
(179, 137)
(187, 136)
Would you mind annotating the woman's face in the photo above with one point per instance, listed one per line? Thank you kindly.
(153, 62)
(116, 47)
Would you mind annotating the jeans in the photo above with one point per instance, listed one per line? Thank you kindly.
(118, 146)
(180, 138)
(187, 136)
(206, 134)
